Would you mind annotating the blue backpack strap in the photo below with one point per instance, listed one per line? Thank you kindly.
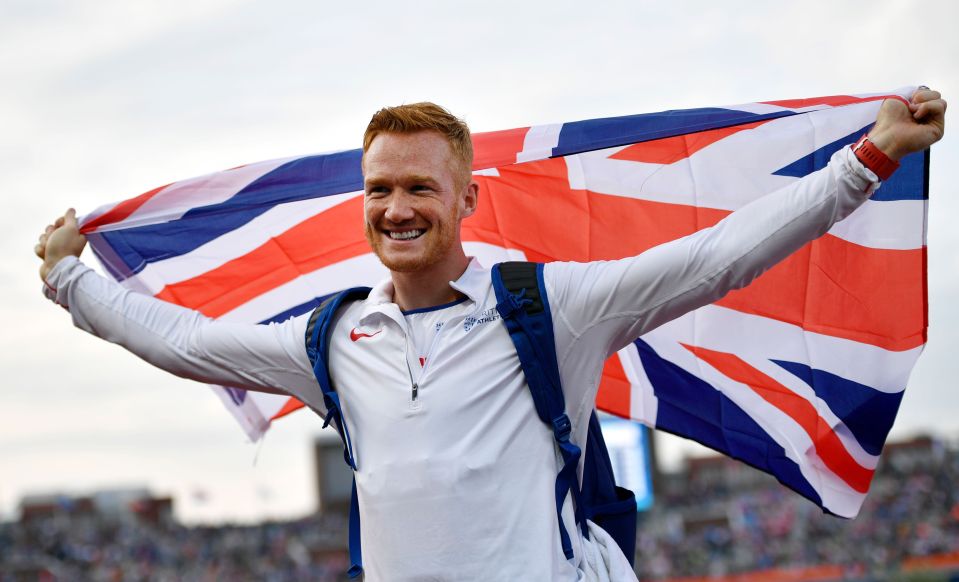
(318, 349)
(522, 303)
(524, 306)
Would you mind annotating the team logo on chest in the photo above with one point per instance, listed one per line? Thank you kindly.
(485, 317)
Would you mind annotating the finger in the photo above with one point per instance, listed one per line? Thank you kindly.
(71, 216)
(923, 95)
(932, 109)
(39, 250)
(59, 222)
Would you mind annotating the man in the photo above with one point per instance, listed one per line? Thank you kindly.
(455, 472)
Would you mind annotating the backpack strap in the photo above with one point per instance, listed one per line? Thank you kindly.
(523, 305)
(318, 349)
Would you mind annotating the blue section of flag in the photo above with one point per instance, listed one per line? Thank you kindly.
(237, 395)
(296, 310)
(593, 134)
(111, 262)
(908, 183)
(866, 412)
(690, 407)
(900, 186)
(818, 159)
(301, 179)
(293, 311)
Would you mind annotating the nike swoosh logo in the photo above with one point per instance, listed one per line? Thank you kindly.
(355, 335)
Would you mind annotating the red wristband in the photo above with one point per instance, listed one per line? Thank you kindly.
(873, 158)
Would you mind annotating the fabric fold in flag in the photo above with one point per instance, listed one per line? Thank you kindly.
(800, 374)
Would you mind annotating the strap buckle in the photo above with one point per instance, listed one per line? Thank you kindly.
(562, 428)
(512, 303)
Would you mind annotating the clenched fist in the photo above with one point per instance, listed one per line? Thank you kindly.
(902, 128)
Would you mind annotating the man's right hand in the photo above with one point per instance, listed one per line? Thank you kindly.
(59, 240)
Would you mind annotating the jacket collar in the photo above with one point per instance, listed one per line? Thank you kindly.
(474, 283)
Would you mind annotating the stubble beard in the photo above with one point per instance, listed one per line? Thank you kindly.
(439, 244)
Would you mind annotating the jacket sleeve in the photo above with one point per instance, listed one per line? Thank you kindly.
(607, 305)
(269, 358)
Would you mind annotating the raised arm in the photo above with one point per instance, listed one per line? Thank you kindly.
(268, 358)
(617, 301)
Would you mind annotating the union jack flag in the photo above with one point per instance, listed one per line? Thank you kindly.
(800, 374)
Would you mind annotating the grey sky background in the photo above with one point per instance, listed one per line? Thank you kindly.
(103, 100)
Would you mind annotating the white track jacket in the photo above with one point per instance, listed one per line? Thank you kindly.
(455, 482)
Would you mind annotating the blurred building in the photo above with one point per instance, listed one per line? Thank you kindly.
(334, 479)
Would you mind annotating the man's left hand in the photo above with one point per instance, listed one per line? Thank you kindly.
(902, 129)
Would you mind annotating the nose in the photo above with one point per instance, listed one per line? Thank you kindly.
(399, 208)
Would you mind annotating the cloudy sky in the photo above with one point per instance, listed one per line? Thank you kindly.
(102, 100)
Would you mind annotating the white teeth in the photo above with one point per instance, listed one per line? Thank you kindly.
(405, 235)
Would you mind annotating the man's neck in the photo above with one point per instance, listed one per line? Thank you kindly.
(428, 287)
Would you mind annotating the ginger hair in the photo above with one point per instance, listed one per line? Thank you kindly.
(425, 116)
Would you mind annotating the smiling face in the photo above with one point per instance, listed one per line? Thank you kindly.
(415, 197)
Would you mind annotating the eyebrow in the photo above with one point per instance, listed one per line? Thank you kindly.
(420, 178)
(416, 178)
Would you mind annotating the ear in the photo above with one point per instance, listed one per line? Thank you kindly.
(470, 199)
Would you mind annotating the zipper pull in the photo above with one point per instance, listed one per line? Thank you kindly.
(416, 389)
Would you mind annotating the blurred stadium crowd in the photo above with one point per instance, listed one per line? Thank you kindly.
(96, 548)
(721, 518)
(716, 519)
